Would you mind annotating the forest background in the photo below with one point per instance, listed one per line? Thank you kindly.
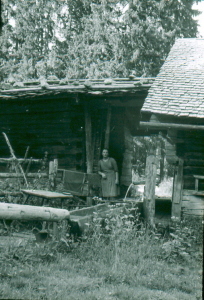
(90, 39)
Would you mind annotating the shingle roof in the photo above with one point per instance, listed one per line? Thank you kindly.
(55, 87)
(178, 90)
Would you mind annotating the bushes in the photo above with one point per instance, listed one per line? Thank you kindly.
(122, 236)
(119, 257)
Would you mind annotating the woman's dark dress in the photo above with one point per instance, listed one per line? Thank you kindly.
(109, 167)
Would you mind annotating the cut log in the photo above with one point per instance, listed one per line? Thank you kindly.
(36, 213)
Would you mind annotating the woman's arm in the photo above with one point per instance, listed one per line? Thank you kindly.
(116, 178)
(103, 175)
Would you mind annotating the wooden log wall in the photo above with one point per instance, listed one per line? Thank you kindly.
(191, 204)
(55, 126)
(191, 148)
(188, 146)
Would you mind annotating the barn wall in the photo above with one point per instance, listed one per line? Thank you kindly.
(55, 126)
(191, 148)
(191, 204)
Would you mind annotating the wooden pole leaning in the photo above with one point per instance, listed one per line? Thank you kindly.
(16, 160)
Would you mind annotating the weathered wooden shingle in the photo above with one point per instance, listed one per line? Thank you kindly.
(179, 87)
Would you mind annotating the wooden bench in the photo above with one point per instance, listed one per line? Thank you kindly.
(45, 195)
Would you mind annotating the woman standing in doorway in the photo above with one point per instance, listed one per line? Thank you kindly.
(108, 170)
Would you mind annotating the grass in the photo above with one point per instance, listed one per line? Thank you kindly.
(119, 260)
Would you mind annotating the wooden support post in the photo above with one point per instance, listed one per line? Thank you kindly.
(89, 146)
(149, 192)
(162, 171)
(107, 133)
(53, 167)
(177, 191)
(88, 130)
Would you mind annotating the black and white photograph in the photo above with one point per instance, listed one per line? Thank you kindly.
(101, 149)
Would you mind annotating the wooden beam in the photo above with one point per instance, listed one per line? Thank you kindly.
(149, 191)
(88, 131)
(160, 126)
(89, 145)
(20, 160)
(10, 211)
(19, 175)
(177, 190)
(107, 133)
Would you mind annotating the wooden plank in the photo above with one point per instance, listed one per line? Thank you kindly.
(177, 190)
(47, 194)
(193, 205)
(187, 193)
(198, 176)
(149, 191)
(194, 162)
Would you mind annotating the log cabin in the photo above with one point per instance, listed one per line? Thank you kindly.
(174, 107)
(72, 120)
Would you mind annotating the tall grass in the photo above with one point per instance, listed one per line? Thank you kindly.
(117, 258)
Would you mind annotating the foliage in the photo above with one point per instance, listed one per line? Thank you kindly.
(185, 237)
(123, 228)
(118, 258)
(90, 39)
